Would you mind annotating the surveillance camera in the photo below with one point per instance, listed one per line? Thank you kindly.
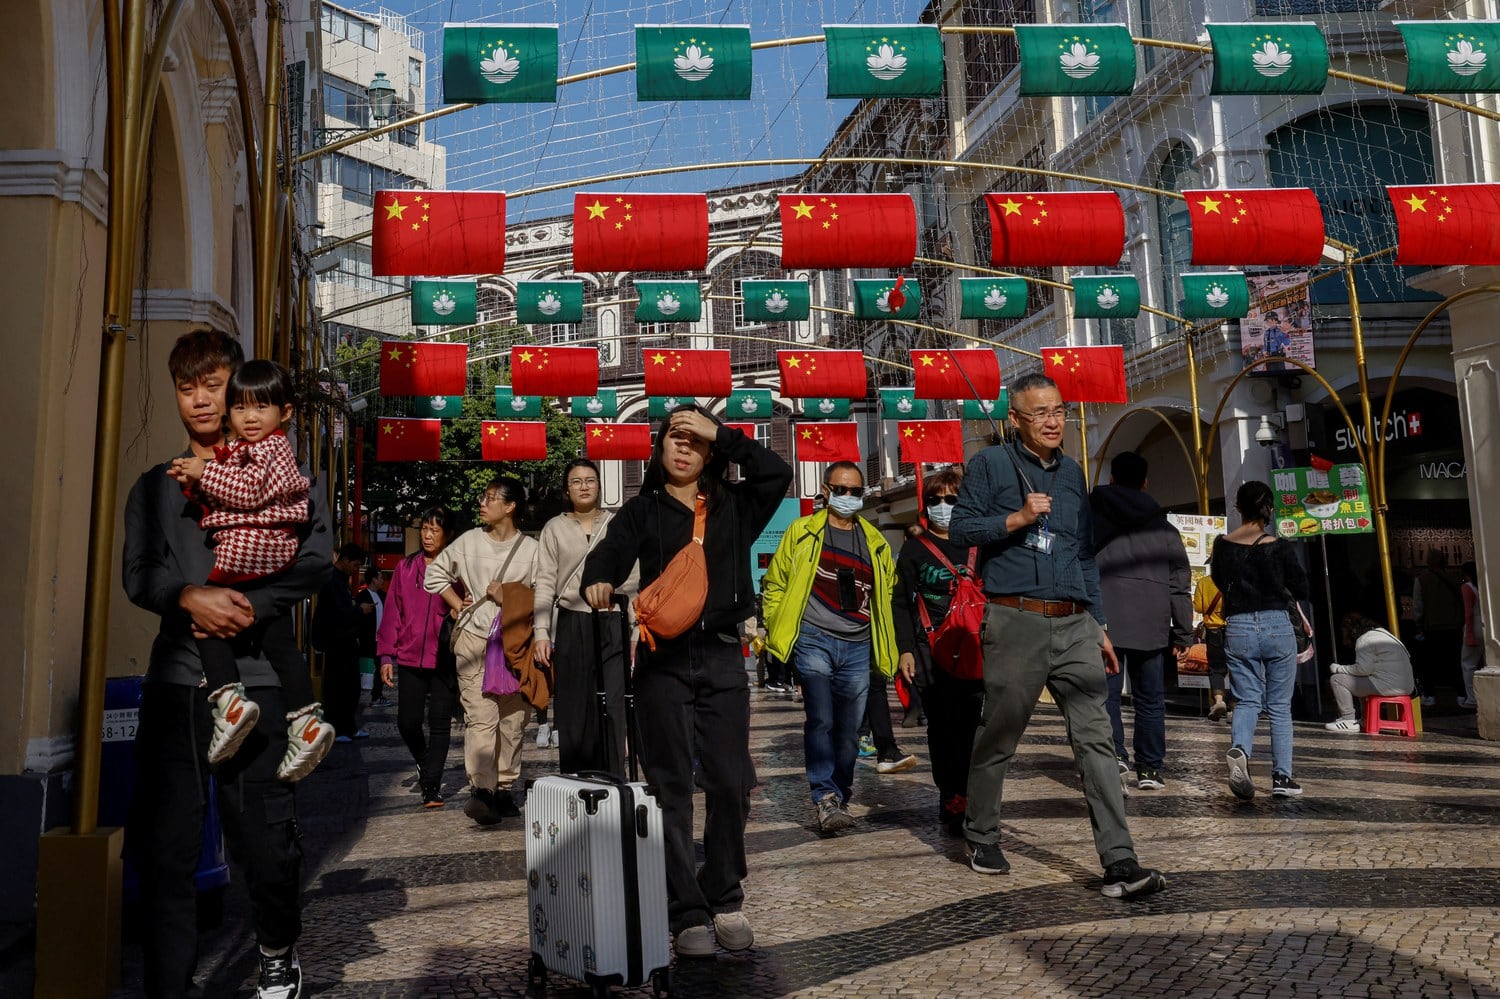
(1265, 435)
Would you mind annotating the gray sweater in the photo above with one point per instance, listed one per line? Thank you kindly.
(1382, 658)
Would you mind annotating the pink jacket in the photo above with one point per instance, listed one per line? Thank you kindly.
(408, 634)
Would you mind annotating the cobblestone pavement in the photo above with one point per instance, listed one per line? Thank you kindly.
(1382, 880)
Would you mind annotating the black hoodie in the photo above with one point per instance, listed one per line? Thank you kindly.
(1143, 570)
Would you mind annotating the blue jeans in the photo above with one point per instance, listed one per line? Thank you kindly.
(1261, 653)
(835, 679)
(1148, 693)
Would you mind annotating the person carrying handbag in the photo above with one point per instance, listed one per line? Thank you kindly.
(483, 561)
(1208, 601)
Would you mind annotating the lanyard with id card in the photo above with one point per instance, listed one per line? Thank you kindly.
(1039, 538)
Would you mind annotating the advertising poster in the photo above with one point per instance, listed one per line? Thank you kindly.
(1279, 323)
(1311, 502)
(1198, 533)
(763, 547)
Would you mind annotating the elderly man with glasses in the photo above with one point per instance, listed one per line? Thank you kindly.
(1026, 504)
(827, 606)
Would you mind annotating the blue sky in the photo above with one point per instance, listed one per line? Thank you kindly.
(597, 127)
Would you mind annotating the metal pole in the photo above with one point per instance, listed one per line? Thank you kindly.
(1377, 482)
(1083, 440)
(270, 247)
(358, 491)
(1200, 461)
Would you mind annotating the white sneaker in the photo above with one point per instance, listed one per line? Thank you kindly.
(1468, 703)
(234, 717)
(895, 766)
(308, 740)
(1428, 701)
(733, 931)
(694, 941)
(543, 735)
(1346, 725)
(556, 739)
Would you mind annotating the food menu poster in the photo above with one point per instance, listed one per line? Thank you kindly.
(1311, 502)
(1198, 534)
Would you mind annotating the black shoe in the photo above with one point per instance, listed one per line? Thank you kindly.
(1148, 779)
(833, 815)
(482, 807)
(505, 804)
(280, 977)
(988, 858)
(1240, 783)
(911, 720)
(431, 798)
(1127, 879)
(1282, 786)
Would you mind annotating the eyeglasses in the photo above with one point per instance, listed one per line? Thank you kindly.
(947, 499)
(583, 482)
(1044, 415)
(845, 490)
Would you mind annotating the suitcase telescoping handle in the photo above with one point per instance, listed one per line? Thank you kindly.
(607, 723)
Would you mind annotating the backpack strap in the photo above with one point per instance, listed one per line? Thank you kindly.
(700, 519)
(937, 554)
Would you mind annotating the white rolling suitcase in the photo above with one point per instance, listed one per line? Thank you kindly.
(596, 870)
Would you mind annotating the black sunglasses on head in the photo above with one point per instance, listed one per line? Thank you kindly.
(947, 499)
(846, 490)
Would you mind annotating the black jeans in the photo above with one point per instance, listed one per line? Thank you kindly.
(429, 693)
(693, 698)
(576, 659)
(953, 709)
(164, 834)
(878, 717)
(276, 639)
(341, 688)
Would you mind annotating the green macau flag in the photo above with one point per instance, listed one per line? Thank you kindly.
(1451, 57)
(444, 303)
(668, 302)
(884, 60)
(1073, 60)
(1215, 296)
(826, 409)
(775, 301)
(690, 62)
(444, 407)
(748, 404)
(873, 299)
(1111, 296)
(1268, 57)
(509, 406)
(659, 407)
(984, 409)
(603, 405)
(549, 302)
(499, 63)
(992, 298)
(898, 404)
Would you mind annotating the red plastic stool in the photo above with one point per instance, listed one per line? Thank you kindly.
(1377, 724)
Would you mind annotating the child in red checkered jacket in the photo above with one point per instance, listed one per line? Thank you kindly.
(254, 498)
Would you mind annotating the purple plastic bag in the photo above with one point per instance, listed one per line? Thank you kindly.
(499, 679)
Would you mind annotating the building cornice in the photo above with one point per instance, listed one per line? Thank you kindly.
(51, 173)
(185, 305)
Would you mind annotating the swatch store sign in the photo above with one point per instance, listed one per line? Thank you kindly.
(1423, 446)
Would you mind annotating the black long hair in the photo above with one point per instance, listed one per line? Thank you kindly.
(1255, 501)
(715, 469)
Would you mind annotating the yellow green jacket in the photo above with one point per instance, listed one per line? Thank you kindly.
(788, 583)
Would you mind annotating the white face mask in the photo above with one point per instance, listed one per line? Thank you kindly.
(845, 506)
(940, 515)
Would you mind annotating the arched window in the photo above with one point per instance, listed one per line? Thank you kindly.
(1174, 244)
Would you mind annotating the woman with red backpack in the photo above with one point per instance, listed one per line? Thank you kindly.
(929, 571)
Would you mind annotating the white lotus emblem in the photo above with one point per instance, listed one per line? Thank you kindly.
(549, 304)
(1108, 298)
(1270, 61)
(1078, 62)
(1465, 60)
(777, 303)
(693, 65)
(903, 405)
(668, 304)
(444, 304)
(826, 406)
(883, 303)
(1217, 297)
(437, 403)
(987, 405)
(885, 64)
(749, 405)
(995, 300)
(518, 402)
(501, 67)
(594, 405)
(670, 402)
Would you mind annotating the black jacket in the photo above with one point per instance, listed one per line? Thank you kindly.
(1143, 570)
(166, 550)
(653, 527)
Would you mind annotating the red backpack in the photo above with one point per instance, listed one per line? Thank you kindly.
(955, 642)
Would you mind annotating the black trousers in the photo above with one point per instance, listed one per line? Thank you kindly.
(693, 698)
(277, 640)
(878, 716)
(954, 708)
(341, 688)
(576, 659)
(429, 694)
(164, 834)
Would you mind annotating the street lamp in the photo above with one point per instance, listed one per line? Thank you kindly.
(382, 95)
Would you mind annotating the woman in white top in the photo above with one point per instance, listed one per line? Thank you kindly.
(1382, 667)
(467, 574)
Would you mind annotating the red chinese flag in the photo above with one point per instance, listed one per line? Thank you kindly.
(1050, 229)
(813, 374)
(940, 374)
(640, 232)
(686, 372)
(554, 370)
(926, 441)
(408, 440)
(1447, 225)
(438, 233)
(827, 442)
(1276, 226)
(748, 429)
(1087, 374)
(513, 441)
(848, 230)
(618, 440)
(408, 368)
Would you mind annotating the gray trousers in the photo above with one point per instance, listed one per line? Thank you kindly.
(1024, 652)
(1347, 686)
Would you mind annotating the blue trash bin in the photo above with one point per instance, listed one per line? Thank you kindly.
(122, 704)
